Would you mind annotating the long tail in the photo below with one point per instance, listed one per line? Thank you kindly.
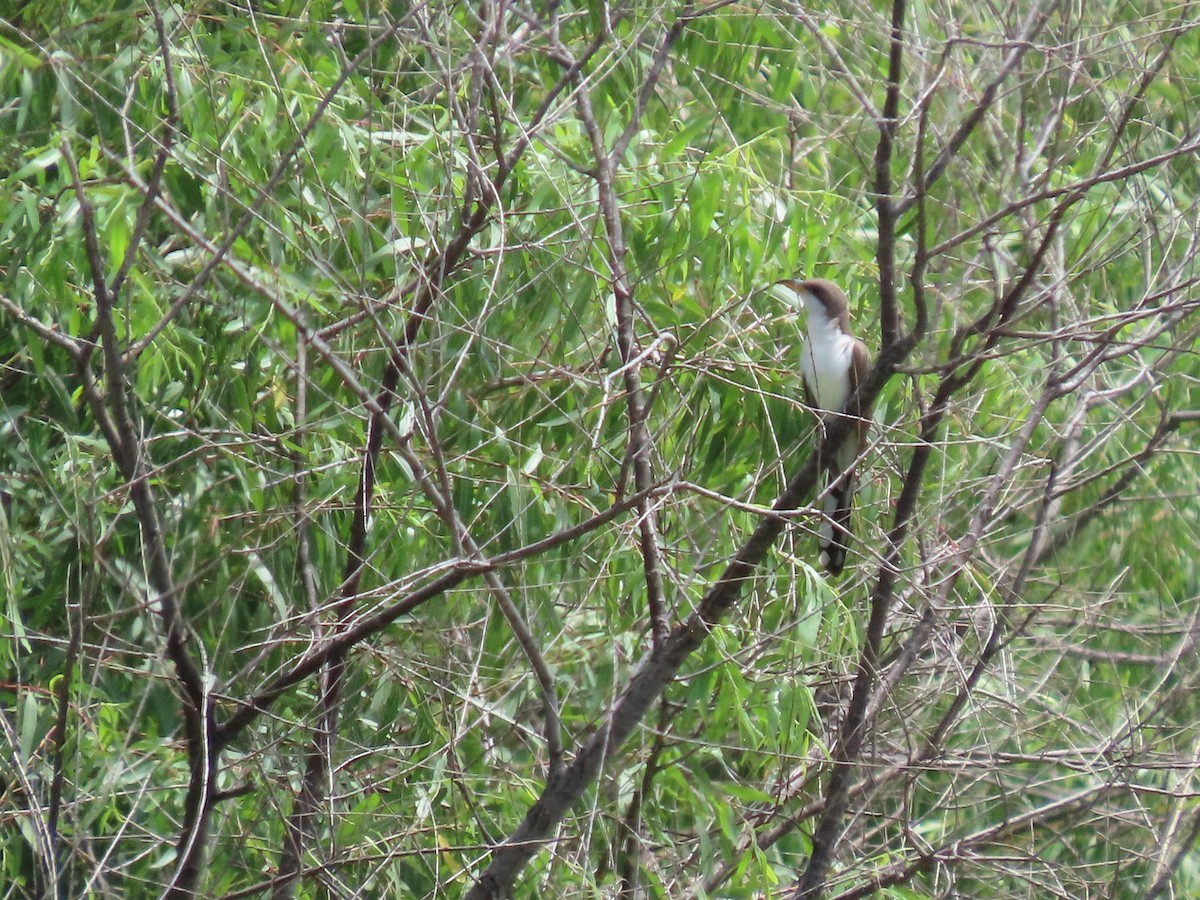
(834, 532)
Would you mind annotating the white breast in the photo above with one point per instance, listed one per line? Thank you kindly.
(825, 362)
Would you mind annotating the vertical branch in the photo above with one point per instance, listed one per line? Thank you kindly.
(114, 413)
(921, 259)
(77, 614)
(304, 564)
(639, 441)
(812, 882)
(885, 252)
(299, 826)
(630, 833)
(846, 751)
(639, 445)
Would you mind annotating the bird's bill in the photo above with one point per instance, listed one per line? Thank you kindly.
(785, 292)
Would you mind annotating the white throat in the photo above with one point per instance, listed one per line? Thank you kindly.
(825, 359)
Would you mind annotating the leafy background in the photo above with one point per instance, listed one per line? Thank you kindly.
(319, 156)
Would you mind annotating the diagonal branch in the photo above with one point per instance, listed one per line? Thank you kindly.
(621, 144)
(661, 665)
(359, 629)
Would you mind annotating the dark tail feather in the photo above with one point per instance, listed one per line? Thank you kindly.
(834, 532)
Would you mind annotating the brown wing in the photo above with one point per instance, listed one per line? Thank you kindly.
(860, 367)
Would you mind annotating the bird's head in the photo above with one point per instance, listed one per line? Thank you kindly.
(817, 296)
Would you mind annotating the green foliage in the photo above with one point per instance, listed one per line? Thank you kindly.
(328, 185)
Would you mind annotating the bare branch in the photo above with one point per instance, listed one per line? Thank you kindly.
(1017, 48)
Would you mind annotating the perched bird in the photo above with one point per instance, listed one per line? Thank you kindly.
(832, 361)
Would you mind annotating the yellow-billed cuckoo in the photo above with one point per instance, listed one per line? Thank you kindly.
(833, 361)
